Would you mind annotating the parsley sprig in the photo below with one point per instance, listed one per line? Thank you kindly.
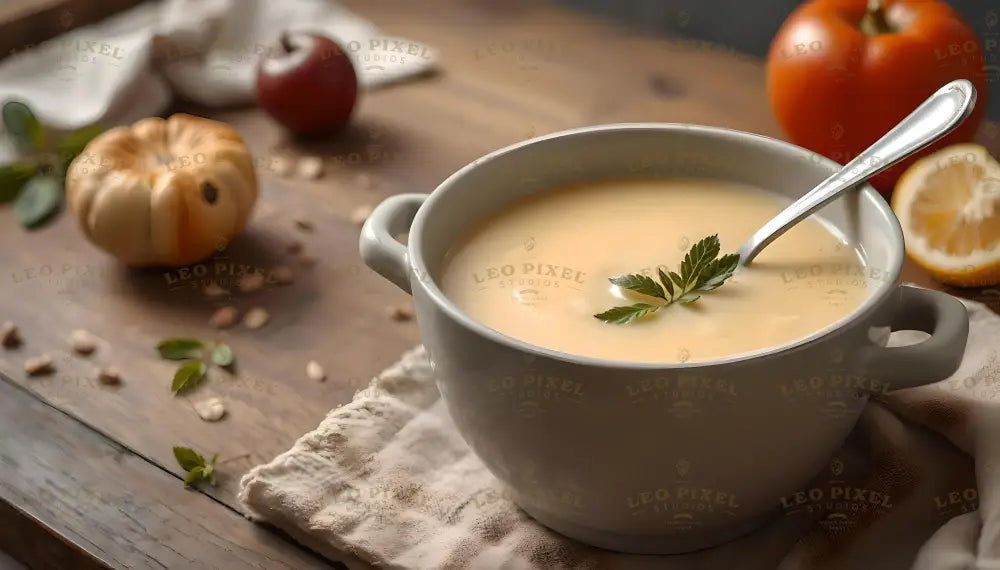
(702, 270)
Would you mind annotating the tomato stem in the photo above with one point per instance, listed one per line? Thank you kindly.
(874, 21)
(286, 43)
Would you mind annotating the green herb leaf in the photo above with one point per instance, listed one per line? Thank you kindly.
(194, 476)
(73, 144)
(627, 314)
(188, 375)
(38, 200)
(677, 279)
(179, 348)
(208, 473)
(640, 284)
(666, 282)
(12, 179)
(717, 272)
(197, 469)
(222, 355)
(188, 458)
(701, 270)
(701, 254)
(23, 126)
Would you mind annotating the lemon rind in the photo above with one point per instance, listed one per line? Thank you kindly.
(916, 244)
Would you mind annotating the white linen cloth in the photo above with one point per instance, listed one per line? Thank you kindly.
(128, 66)
(388, 480)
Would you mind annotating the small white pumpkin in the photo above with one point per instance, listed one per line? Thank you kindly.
(163, 192)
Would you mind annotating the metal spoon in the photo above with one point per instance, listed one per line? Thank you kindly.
(940, 114)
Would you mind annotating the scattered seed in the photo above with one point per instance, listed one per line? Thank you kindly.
(361, 213)
(294, 247)
(224, 317)
(315, 372)
(365, 181)
(310, 168)
(109, 377)
(82, 342)
(214, 290)
(249, 282)
(304, 224)
(281, 166)
(399, 312)
(307, 261)
(41, 364)
(256, 318)
(210, 410)
(9, 336)
(282, 275)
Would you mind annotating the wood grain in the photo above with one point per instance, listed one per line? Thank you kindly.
(107, 504)
(510, 70)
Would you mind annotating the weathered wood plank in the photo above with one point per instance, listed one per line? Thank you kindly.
(103, 503)
(29, 539)
(511, 70)
(412, 137)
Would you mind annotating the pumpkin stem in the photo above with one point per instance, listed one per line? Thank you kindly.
(286, 43)
(874, 22)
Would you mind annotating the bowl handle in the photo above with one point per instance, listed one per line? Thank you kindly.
(942, 316)
(379, 249)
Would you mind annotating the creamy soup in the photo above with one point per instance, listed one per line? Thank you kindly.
(538, 271)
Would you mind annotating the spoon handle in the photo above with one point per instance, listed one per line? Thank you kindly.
(940, 114)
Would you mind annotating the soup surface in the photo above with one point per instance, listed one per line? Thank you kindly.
(538, 271)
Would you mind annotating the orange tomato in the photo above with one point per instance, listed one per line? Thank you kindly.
(842, 73)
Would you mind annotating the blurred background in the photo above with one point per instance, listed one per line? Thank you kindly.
(742, 25)
(748, 25)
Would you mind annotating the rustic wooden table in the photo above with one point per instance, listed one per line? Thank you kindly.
(87, 477)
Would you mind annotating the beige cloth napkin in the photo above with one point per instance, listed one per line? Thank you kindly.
(129, 66)
(388, 480)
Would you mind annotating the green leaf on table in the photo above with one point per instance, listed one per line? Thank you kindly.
(23, 126)
(188, 458)
(194, 476)
(188, 375)
(12, 178)
(209, 470)
(197, 469)
(179, 348)
(222, 355)
(73, 144)
(40, 197)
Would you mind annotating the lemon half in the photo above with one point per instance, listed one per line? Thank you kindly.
(948, 204)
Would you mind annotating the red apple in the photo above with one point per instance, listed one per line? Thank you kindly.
(309, 85)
